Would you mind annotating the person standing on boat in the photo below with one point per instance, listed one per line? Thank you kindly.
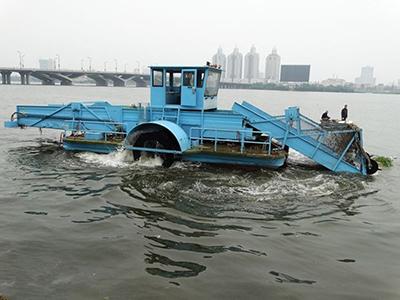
(344, 113)
(325, 116)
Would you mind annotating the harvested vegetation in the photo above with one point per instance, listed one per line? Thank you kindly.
(384, 161)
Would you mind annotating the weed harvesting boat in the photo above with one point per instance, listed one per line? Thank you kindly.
(182, 122)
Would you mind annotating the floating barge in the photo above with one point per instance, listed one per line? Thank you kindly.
(182, 122)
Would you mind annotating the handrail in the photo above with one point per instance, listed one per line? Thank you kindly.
(87, 130)
(96, 122)
(241, 139)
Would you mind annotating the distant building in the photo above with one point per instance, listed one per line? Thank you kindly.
(234, 68)
(333, 82)
(251, 65)
(219, 58)
(367, 77)
(272, 67)
(295, 73)
(47, 64)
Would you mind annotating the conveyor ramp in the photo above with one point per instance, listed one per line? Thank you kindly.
(334, 145)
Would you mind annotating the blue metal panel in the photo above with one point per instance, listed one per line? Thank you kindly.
(157, 93)
(222, 119)
(292, 113)
(94, 136)
(96, 116)
(176, 130)
(188, 88)
(272, 163)
(190, 97)
(90, 147)
(10, 124)
(154, 150)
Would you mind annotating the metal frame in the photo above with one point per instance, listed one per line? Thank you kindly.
(242, 141)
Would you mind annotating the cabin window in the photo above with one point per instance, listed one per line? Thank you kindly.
(188, 79)
(200, 78)
(173, 87)
(158, 78)
(212, 83)
(173, 78)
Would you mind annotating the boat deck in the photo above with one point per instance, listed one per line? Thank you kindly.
(234, 149)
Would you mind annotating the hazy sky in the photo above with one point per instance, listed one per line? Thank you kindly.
(335, 37)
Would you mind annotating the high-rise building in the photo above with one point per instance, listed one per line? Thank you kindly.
(251, 65)
(219, 58)
(272, 66)
(366, 77)
(234, 68)
(47, 64)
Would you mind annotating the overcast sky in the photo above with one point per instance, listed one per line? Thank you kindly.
(335, 37)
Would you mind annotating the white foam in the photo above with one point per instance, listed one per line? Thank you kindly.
(298, 158)
(149, 161)
(282, 187)
(118, 159)
(115, 159)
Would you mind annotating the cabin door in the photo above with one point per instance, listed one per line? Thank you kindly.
(188, 91)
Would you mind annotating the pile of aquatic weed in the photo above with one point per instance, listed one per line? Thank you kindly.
(384, 161)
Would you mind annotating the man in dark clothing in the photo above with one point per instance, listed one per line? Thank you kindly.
(344, 113)
(325, 116)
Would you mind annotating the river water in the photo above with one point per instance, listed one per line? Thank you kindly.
(90, 226)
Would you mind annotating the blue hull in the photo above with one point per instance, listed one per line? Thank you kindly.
(90, 147)
(270, 162)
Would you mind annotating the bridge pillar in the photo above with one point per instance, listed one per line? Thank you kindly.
(139, 82)
(8, 78)
(22, 76)
(63, 79)
(27, 78)
(100, 81)
(48, 82)
(63, 82)
(43, 77)
(117, 81)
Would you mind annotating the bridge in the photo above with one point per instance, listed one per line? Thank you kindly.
(66, 77)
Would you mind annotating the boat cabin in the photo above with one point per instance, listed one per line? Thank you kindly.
(194, 88)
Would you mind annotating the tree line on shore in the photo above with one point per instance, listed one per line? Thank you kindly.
(315, 87)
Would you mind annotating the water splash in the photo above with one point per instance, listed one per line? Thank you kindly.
(118, 159)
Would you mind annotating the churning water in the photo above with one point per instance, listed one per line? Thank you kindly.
(91, 226)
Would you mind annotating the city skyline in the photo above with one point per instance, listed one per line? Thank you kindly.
(273, 69)
(251, 62)
(272, 66)
(337, 37)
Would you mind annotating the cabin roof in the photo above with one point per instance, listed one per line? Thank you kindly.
(185, 67)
